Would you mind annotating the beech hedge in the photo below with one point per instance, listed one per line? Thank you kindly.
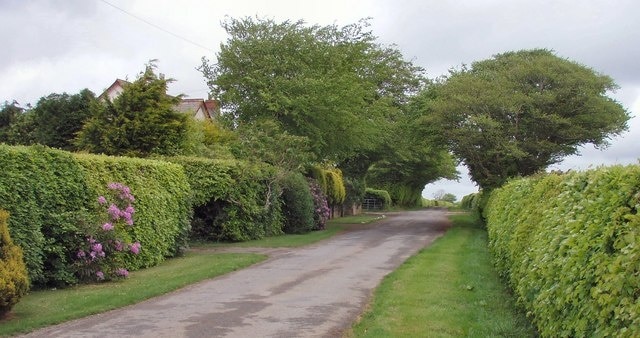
(232, 200)
(569, 246)
(52, 198)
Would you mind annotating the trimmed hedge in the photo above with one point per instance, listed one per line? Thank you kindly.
(45, 192)
(52, 198)
(233, 200)
(14, 282)
(382, 195)
(569, 245)
(297, 204)
(161, 190)
(331, 182)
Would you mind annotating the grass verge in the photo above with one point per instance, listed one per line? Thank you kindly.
(42, 308)
(333, 227)
(449, 289)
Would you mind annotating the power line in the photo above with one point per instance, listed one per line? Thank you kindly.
(158, 27)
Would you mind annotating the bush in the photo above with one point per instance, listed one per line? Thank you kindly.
(321, 211)
(331, 182)
(569, 245)
(232, 200)
(52, 194)
(381, 195)
(14, 282)
(297, 205)
(45, 192)
(162, 194)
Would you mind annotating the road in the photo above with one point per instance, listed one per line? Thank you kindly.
(314, 291)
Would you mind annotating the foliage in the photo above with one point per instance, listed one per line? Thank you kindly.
(335, 86)
(518, 112)
(265, 141)
(103, 255)
(336, 192)
(57, 118)
(382, 195)
(469, 201)
(233, 200)
(45, 192)
(139, 122)
(568, 245)
(9, 114)
(297, 205)
(162, 205)
(321, 211)
(14, 282)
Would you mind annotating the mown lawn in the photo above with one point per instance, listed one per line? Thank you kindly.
(449, 289)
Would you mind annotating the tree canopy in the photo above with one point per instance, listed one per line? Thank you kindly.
(141, 121)
(334, 85)
(519, 112)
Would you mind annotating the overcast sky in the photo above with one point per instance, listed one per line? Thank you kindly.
(55, 46)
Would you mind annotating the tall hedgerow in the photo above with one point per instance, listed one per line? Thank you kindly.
(297, 204)
(569, 245)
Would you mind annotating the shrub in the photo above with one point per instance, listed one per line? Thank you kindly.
(108, 243)
(382, 195)
(297, 204)
(321, 211)
(569, 245)
(162, 203)
(14, 282)
(233, 200)
(44, 191)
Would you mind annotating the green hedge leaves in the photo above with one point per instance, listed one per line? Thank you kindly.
(52, 198)
(569, 245)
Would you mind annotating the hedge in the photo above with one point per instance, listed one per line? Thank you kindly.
(14, 282)
(569, 245)
(52, 198)
(45, 192)
(297, 204)
(233, 200)
(161, 190)
(382, 195)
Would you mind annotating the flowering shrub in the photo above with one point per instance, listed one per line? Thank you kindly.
(321, 209)
(108, 245)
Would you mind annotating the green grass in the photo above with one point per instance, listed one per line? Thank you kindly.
(333, 227)
(43, 308)
(449, 289)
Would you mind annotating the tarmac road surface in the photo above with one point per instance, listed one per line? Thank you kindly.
(313, 291)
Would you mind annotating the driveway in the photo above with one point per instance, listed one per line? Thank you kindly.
(314, 291)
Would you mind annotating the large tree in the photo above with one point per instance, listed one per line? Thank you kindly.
(334, 85)
(141, 121)
(518, 112)
(58, 118)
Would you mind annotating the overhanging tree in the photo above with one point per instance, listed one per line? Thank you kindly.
(334, 85)
(519, 112)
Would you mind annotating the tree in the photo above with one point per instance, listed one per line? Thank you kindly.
(9, 114)
(519, 112)
(139, 122)
(334, 86)
(58, 118)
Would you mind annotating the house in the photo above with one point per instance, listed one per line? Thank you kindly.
(200, 109)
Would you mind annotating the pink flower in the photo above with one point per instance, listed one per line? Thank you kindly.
(122, 272)
(81, 254)
(107, 227)
(130, 210)
(102, 200)
(114, 212)
(96, 247)
(100, 275)
(135, 247)
(119, 246)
